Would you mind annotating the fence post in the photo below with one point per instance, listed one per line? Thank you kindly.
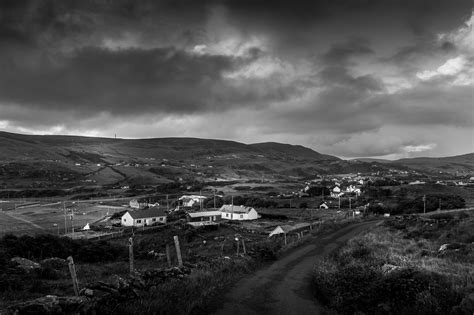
(72, 270)
(168, 255)
(222, 246)
(243, 246)
(238, 245)
(130, 254)
(178, 251)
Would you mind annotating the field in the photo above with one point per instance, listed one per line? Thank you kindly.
(49, 218)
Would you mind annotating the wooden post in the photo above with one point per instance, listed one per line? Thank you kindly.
(130, 254)
(238, 246)
(285, 237)
(178, 251)
(168, 255)
(72, 270)
(244, 247)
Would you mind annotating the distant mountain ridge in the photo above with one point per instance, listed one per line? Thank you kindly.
(462, 163)
(29, 160)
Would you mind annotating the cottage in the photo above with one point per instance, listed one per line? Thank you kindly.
(188, 201)
(336, 192)
(239, 213)
(323, 206)
(145, 217)
(204, 218)
(353, 189)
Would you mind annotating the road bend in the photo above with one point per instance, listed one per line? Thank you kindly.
(284, 286)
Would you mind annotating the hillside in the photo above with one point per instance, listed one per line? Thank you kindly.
(66, 161)
(38, 161)
(452, 164)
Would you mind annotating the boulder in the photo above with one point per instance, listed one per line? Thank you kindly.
(388, 268)
(26, 264)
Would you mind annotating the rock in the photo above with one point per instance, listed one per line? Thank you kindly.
(447, 248)
(44, 305)
(26, 264)
(388, 268)
(87, 292)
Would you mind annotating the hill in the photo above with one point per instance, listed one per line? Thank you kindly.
(452, 164)
(39, 161)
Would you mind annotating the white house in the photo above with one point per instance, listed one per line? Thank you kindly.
(239, 213)
(204, 218)
(145, 217)
(336, 192)
(353, 189)
(189, 201)
(323, 206)
(417, 182)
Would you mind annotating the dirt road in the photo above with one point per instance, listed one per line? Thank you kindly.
(284, 286)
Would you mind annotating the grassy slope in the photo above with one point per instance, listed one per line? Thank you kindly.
(424, 280)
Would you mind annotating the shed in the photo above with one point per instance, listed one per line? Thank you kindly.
(204, 217)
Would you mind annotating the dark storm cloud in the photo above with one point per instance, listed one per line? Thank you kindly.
(298, 67)
(341, 53)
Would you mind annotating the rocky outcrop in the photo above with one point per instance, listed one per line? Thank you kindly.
(100, 293)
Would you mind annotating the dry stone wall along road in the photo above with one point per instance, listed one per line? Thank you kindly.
(284, 286)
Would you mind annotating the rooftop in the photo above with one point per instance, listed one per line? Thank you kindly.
(152, 212)
(235, 209)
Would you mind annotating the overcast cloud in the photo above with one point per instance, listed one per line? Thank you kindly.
(349, 78)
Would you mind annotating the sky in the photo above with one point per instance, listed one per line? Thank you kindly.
(351, 78)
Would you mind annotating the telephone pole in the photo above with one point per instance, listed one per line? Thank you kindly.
(65, 218)
(424, 203)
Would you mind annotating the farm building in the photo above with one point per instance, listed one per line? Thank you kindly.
(285, 229)
(204, 218)
(145, 217)
(189, 201)
(239, 213)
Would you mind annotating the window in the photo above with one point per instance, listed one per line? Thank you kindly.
(124, 220)
(153, 220)
(241, 216)
(161, 219)
(139, 221)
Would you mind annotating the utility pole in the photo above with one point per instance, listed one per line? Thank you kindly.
(72, 222)
(200, 199)
(130, 254)
(65, 218)
(424, 203)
